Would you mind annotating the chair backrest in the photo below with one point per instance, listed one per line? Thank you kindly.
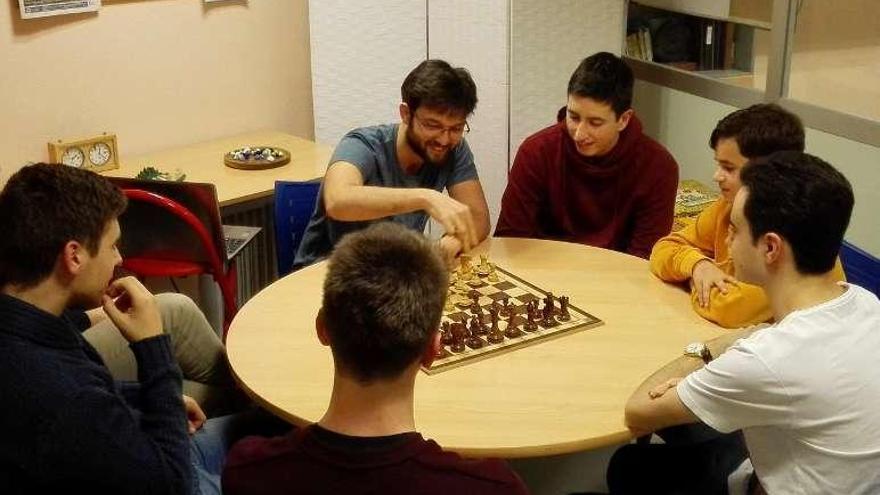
(147, 202)
(179, 222)
(860, 267)
(294, 205)
(178, 238)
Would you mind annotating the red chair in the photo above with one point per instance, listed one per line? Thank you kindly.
(159, 264)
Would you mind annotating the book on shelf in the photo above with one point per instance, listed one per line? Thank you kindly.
(638, 45)
(646, 42)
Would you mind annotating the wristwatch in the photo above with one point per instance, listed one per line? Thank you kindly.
(699, 350)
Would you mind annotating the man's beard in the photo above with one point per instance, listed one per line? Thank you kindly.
(421, 149)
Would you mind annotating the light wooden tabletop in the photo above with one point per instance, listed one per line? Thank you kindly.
(555, 397)
(203, 162)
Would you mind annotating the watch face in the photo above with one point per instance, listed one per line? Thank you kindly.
(99, 154)
(694, 349)
(73, 157)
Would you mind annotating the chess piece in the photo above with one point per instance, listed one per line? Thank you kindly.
(465, 270)
(512, 330)
(445, 333)
(460, 286)
(475, 303)
(531, 318)
(476, 326)
(474, 342)
(495, 336)
(563, 309)
(548, 321)
(484, 268)
(548, 303)
(445, 336)
(506, 308)
(459, 334)
(493, 316)
(493, 275)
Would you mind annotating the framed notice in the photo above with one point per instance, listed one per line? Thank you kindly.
(31, 9)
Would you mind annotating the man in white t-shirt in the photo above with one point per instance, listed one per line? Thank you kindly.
(805, 391)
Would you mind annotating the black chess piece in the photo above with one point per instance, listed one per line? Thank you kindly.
(477, 327)
(474, 342)
(506, 308)
(459, 334)
(512, 331)
(531, 318)
(564, 315)
(493, 316)
(445, 333)
(548, 321)
(548, 303)
(475, 309)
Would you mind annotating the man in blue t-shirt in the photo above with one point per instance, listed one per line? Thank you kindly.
(399, 171)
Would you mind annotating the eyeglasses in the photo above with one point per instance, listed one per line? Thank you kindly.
(434, 128)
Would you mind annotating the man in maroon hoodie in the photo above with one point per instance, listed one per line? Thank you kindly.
(383, 297)
(593, 177)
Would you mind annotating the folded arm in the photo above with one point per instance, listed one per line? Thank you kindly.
(674, 256)
(655, 404)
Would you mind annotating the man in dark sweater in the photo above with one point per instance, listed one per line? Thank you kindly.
(67, 426)
(593, 177)
(383, 298)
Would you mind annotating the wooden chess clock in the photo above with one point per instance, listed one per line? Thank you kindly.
(95, 154)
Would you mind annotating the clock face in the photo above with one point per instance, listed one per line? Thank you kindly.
(99, 154)
(73, 157)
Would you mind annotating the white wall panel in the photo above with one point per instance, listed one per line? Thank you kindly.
(548, 39)
(361, 52)
(474, 35)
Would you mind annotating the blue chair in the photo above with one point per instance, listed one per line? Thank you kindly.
(294, 204)
(860, 267)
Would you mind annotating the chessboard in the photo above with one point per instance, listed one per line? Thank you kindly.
(490, 311)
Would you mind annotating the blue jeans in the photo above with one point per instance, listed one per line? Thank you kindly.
(209, 445)
(208, 449)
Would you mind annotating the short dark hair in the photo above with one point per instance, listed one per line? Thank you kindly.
(436, 84)
(383, 299)
(803, 199)
(603, 77)
(44, 206)
(760, 130)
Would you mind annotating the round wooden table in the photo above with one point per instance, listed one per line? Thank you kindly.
(555, 397)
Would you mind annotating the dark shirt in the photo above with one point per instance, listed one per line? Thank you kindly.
(69, 428)
(314, 460)
(624, 200)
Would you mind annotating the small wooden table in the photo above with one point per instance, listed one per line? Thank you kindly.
(203, 162)
(556, 397)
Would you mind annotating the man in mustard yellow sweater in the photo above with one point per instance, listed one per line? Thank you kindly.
(699, 251)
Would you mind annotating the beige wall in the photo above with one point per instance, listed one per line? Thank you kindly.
(158, 73)
(683, 122)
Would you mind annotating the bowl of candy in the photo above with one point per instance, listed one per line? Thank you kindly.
(256, 157)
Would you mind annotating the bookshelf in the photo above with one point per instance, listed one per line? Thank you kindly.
(721, 41)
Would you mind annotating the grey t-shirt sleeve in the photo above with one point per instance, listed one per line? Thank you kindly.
(463, 167)
(360, 152)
